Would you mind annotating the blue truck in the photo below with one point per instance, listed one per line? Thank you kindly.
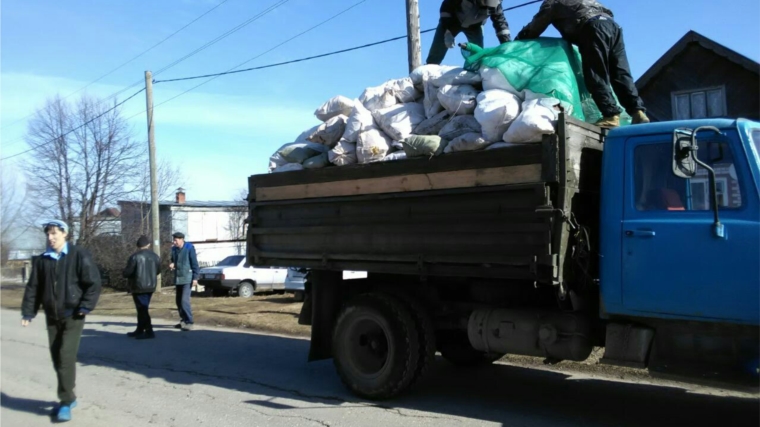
(644, 240)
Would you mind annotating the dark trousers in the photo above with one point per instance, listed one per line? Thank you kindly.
(605, 64)
(438, 49)
(183, 302)
(142, 303)
(64, 336)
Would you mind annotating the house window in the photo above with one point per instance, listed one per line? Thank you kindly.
(698, 104)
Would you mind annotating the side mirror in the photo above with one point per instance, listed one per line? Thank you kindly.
(684, 157)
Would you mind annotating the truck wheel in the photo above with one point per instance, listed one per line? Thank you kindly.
(375, 346)
(245, 290)
(298, 296)
(426, 332)
(456, 349)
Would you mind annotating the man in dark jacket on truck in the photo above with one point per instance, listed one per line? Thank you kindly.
(589, 25)
(66, 282)
(467, 16)
(185, 266)
(142, 271)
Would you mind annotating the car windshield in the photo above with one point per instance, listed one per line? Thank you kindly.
(756, 140)
(231, 261)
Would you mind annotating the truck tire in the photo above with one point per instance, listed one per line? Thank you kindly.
(456, 349)
(426, 332)
(245, 290)
(375, 346)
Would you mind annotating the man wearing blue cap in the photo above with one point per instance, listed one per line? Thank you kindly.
(185, 266)
(66, 282)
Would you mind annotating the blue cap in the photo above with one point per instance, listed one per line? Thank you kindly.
(57, 223)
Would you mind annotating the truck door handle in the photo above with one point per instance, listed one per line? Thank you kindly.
(639, 233)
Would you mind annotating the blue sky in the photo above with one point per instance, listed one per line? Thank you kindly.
(225, 130)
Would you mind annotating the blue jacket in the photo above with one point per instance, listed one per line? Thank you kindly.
(185, 264)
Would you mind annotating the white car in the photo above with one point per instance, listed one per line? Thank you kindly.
(232, 275)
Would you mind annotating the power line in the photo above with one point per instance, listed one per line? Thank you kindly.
(224, 35)
(124, 64)
(76, 128)
(313, 57)
(261, 54)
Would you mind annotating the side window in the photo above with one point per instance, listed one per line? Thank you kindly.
(657, 189)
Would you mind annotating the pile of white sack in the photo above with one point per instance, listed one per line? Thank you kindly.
(436, 110)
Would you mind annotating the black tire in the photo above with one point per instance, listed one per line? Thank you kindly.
(456, 349)
(298, 296)
(426, 332)
(375, 346)
(245, 290)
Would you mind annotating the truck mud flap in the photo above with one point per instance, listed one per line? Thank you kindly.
(326, 299)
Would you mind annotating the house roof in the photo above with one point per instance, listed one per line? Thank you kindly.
(110, 212)
(681, 45)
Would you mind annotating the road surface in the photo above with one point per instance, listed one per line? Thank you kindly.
(223, 377)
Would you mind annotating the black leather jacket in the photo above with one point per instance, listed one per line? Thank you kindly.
(567, 16)
(142, 271)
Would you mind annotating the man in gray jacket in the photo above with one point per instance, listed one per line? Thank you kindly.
(467, 16)
(142, 271)
(185, 266)
(589, 25)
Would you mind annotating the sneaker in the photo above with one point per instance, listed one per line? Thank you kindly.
(609, 122)
(63, 412)
(639, 117)
(187, 327)
(146, 336)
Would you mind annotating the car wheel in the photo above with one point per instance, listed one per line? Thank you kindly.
(245, 290)
(298, 296)
(376, 346)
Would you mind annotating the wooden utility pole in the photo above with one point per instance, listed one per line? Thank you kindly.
(413, 33)
(156, 229)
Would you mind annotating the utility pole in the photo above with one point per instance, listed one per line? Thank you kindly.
(413, 33)
(156, 229)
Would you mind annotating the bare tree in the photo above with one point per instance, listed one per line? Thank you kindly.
(169, 178)
(12, 221)
(75, 175)
(236, 226)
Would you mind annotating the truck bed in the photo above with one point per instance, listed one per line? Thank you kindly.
(492, 214)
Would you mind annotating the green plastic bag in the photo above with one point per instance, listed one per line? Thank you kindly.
(546, 66)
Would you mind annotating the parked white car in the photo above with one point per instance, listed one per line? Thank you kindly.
(231, 275)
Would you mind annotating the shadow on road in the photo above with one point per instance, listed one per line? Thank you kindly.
(36, 407)
(276, 367)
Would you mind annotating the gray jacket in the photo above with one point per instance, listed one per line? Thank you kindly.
(567, 16)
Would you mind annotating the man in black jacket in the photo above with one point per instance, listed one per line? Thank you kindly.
(467, 16)
(142, 271)
(66, 282)
(589, 25)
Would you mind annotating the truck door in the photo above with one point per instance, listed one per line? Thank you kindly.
(673, 263)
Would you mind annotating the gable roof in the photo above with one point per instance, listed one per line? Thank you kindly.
(695, 37)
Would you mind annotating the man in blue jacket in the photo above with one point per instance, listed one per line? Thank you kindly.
(185, 266)
(468, 17)
(65, 281)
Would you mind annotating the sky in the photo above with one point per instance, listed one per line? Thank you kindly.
(224, 131)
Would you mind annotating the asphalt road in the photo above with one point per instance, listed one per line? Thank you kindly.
(223, 377)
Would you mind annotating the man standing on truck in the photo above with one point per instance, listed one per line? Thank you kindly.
(66, 282)
(589, 25)
(185, 266)
(142, 270)
(467, 16)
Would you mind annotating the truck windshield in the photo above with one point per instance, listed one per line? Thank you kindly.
(231, 261)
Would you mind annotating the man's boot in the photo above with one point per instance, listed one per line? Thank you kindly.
(639, 117)
(609, 122)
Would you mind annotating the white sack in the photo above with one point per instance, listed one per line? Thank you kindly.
(399, 121)
(276, 161)
(298, 152)
(431, 103)
(378, 97)
(428, 72)
(457, 76)
(372, 146)
(359, 120)
(496, 110)
(334, 107)
(467, 142)
(316, 162)
(458, 100)
(329, 132)
(304, 136)
(289, 168)
(344, 153)
(494, 79)
(537, 119)
(499, 145)
(398, 155)
(459, 126)
(432, 125)
(403, 90)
